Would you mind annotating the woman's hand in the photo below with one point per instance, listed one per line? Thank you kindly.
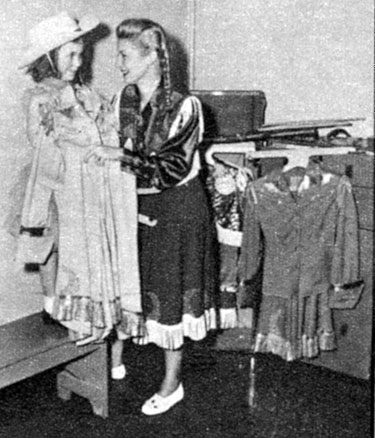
(101, 154)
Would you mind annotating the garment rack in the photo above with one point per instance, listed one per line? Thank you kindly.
(296, 155)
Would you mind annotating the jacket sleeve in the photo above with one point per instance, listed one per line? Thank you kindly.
(251, 249)
(345, 276)
(47, 166)
(174, 159)
(38, 108)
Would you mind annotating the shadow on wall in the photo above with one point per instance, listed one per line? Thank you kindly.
(90, 40)
(179, 65)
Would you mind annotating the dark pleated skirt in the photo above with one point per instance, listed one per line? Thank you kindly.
(177, 264)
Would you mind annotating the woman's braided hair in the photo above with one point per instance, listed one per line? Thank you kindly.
(151, 36)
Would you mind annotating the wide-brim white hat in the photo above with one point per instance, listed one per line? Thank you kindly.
(53, 32)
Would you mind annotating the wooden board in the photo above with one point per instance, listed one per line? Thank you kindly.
(29, 347)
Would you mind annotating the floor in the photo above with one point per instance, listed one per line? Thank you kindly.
(292, 400)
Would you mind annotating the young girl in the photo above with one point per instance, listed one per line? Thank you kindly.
(84, 213)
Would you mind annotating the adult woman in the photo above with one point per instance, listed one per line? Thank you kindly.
(160, 130)
(97, 281)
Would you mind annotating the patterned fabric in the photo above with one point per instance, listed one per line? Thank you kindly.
(226, 185)
(97, 280)
(308, 221)
(176, 247)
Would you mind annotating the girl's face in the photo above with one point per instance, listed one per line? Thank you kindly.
(69, 60)
(132, 62)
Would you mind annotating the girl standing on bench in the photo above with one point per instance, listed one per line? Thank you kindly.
(81, 213)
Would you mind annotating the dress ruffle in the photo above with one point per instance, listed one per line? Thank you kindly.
(171, 337)
(87, 317)
(306, 347)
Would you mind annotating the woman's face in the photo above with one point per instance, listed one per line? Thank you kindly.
(132, 62)
(69, 60)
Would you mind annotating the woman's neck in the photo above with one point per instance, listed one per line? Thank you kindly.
(147, 89)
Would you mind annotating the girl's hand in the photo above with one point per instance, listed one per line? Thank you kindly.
(101, 154)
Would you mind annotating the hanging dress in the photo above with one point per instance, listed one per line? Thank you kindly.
(226, 185)
(97, 285)
(308, 223)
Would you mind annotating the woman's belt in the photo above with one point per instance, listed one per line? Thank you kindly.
(148, 191)
(154, 191)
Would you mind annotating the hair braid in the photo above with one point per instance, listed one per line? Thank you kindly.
(166, 71)
(151, 36)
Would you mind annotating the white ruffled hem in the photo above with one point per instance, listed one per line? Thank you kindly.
(229, 237)
(171, 337)
(228, 318)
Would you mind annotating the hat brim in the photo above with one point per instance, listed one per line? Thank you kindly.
(34, 53)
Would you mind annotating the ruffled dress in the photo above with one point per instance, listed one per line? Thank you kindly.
(98, 284)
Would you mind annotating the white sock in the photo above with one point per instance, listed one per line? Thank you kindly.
(48, 304)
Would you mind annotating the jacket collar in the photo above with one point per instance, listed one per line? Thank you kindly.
(313, 173)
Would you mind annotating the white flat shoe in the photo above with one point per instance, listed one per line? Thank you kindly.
(158, 404)
(118, 373)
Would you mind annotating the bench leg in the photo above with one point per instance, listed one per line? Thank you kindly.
(62, 392)
(87, 377)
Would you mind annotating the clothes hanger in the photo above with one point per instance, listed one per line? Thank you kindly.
(242, 148)
(228, 148)
(297, 156)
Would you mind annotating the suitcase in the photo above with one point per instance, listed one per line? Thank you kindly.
(231, 115)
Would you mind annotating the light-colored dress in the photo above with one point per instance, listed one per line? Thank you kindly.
(97, 287)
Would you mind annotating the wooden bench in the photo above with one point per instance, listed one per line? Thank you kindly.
(28, 347)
